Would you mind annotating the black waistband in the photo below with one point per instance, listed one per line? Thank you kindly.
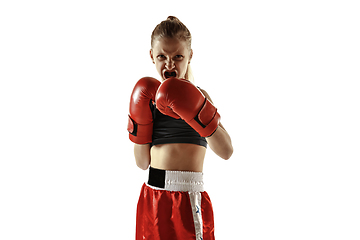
(156, 177)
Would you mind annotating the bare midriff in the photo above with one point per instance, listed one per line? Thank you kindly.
(178, 157)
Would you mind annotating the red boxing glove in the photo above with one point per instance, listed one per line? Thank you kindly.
(140, 124)
(179, 97)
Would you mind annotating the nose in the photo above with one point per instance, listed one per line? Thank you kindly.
(170, 65)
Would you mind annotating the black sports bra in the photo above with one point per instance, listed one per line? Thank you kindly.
(170, 130)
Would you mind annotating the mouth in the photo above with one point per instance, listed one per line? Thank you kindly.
(169, 74)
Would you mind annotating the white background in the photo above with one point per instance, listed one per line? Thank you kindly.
(283, 74)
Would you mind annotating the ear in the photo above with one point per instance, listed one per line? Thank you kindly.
(191, 54)
(151, 55)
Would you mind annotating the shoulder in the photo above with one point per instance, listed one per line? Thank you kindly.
(205, 94)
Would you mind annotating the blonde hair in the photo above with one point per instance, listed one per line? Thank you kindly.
(172, 27)
(189, 74)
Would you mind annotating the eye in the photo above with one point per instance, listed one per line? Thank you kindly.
(179, 57)
(160, 56)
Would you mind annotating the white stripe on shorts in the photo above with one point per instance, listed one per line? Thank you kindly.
(195, 200)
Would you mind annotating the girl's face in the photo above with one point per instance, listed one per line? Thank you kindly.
(171, 57)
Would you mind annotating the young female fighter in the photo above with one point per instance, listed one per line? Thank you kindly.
(171, 122)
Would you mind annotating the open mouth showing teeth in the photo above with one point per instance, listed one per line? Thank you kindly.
(169, 74)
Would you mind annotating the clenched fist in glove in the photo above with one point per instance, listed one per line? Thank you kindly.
(140, 124)
(179, 98)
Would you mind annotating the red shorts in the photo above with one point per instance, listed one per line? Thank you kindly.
(174, 206)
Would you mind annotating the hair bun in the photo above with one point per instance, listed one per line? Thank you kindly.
(172, 18)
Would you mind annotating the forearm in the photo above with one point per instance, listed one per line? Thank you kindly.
(220, 143)
(142, 155)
